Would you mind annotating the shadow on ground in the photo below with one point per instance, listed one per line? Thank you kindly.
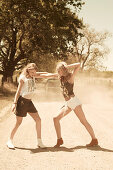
(52, 149)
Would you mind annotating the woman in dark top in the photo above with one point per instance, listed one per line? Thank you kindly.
(72, 102)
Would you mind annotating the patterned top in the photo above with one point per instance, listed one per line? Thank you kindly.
(67, 88)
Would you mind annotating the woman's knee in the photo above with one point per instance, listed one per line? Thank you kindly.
(56, 119)
(84, 122)
(38, 119)
(18, 123)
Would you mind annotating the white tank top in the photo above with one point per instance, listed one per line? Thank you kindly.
(29, 85)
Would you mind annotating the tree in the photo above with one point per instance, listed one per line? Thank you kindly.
(91, 48)
(37, 27)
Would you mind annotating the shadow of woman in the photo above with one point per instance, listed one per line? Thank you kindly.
(52, 149)
(47, 149)
(95, 148)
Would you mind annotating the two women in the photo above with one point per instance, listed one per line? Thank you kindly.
(23, 101)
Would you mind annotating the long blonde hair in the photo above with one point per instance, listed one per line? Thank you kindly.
(29, 66)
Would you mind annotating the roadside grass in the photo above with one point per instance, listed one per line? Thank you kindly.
(4, 101)
(7, 94)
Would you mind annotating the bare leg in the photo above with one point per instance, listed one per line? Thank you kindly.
(80, 114)
(64, 111)
(18, 123)
(37, 120)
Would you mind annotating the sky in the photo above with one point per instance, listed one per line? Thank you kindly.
(99, 15)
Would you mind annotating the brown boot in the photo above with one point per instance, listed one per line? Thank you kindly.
(59, 142)
(94, 142)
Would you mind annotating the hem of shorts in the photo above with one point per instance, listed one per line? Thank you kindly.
(75, 106)
(32, 112)
(21, 115)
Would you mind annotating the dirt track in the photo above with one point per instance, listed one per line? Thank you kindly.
(73, 154)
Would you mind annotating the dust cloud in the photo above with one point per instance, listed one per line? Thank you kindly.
(88, 90)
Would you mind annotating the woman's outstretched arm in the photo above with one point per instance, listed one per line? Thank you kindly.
(47, 75)
(42, 72)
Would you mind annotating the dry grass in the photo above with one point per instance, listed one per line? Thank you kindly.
(7, 94)
(4, 101)
(8, 89)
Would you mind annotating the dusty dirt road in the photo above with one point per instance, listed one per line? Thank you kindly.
(73, 154)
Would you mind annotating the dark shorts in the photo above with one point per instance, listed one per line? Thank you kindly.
(24, 106)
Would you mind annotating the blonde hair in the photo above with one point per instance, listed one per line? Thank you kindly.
(30, 66)
(63, 66)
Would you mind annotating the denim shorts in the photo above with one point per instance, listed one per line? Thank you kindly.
(73, 102)
(24, 106)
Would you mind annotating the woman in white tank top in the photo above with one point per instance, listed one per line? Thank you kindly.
(23, 101)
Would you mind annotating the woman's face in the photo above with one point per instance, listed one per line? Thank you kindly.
(31, 72)
(62, 71)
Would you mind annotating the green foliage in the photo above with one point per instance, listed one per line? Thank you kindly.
(38, 26)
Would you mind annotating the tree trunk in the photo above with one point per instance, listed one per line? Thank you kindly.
(7, 77)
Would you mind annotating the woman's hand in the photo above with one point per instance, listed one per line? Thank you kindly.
(14, 107)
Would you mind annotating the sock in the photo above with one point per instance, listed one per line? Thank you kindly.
(39, 141)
